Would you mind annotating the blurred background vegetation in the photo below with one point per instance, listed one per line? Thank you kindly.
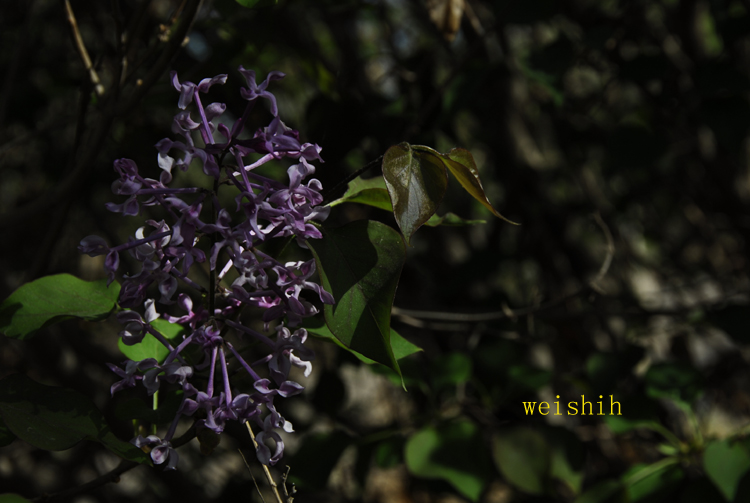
(614, 131)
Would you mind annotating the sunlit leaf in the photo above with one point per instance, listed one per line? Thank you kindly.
(401, 347)
(461, 163)
(56, 419)
(370, 191)
(150, 347)
(373, 192)
(360, 264)
(416, 180)
(52, 299)
(452, 452)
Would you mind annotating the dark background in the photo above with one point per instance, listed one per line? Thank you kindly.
(611, 130)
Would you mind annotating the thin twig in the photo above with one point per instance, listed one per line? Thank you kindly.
(111, 476)
(81, 47)
(351, 177)
(610, 254)
(460, 320)
(284, 478)
(271, 482)
(252, 476)
(71, 184)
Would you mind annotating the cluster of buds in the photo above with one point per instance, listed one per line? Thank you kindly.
(196, 230)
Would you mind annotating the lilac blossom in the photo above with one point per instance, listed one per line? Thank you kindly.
(197, 229)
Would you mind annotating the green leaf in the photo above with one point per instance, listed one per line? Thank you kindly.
(6, 436)
(451, 219)
(52, 299)
(56, 419)
(452, 452)
(602, 370)
(725, 463)
(655, 481)
(373, 192)
(526, 377)
(523, 457)
(370, 191)
(675, 380)
(416, 180)
(622, 424)
(567, 457)
(360, 264)
(461, 163)
(604, 491)
(150, 347)
(13, 498)
(256, 3)
(401, 347)
(451, 369)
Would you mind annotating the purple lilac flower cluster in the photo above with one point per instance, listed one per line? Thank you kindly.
(263, 209)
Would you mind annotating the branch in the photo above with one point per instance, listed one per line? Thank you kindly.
(351, 177)
(271, 482)
(71, 184)
(81, 47)
(111, 476)
(460, 321)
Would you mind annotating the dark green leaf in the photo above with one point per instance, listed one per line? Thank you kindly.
(523, 457)
(676, 380)
(567, 457)
(637, 412)
(603, 370)
(401, 347)
(52, 299)
(700, 491)
(13, 498)
(416, 180)
(607, 491)
(150, 347)
(6, 436)
(621, 424)
(452, 452)
(56, 419)
(370, 191)
(451, 369)
(360, 264)
(256, 3)
(725, 463)
(461, 163)
(526, 377)
(655, 481)
(389, 453)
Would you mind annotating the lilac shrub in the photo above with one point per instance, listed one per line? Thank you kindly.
(196, 230)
